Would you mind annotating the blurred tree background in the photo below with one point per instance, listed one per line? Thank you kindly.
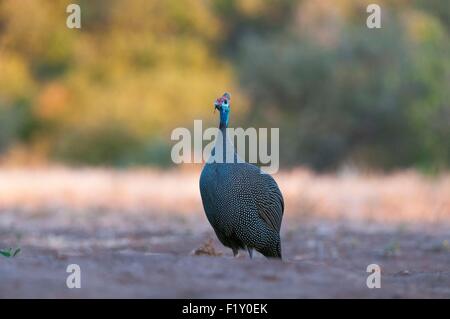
(111, 92)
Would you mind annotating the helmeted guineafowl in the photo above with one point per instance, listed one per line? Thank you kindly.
(243, 204)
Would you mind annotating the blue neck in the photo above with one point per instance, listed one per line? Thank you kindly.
(224, 115)
(224, 142)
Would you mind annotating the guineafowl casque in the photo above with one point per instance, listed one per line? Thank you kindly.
(243, 204)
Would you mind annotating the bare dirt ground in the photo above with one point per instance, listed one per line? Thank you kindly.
(142, 234)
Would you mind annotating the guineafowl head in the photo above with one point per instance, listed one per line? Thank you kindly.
(223, 105)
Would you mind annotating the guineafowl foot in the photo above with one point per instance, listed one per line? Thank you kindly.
(250, 252)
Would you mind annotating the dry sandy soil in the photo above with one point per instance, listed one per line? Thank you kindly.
(144, 235)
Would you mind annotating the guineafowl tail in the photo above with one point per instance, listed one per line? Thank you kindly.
(275, 252)
(278, 254)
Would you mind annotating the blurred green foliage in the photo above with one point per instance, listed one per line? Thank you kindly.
(111, 92)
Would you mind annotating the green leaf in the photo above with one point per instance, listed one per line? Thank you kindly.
(16, 252)
(6, 253)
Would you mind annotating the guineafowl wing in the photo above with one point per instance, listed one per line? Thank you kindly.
(270, 202)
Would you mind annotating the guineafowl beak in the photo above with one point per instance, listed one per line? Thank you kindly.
(217, 104)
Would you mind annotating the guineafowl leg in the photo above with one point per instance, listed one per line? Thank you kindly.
(235, 252)
(250, 252)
